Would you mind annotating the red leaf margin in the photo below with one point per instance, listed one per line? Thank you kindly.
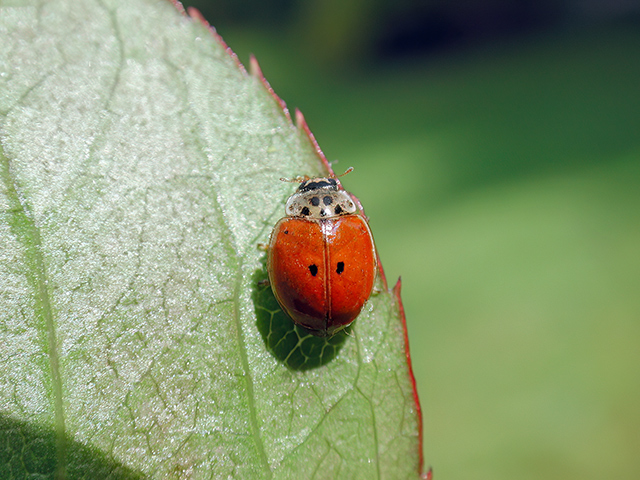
(301, 124)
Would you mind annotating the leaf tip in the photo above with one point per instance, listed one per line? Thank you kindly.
(416, 399)
(256, 71)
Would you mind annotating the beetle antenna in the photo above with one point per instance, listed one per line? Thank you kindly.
(304, 178)
(348, 170)
(301, 179)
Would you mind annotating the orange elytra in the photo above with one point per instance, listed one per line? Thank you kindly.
(321, 257)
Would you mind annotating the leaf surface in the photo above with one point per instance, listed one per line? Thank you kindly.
(139, 167)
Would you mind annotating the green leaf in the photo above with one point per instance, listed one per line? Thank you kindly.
(139, 167)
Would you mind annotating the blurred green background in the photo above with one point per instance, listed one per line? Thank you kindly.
(497, 152)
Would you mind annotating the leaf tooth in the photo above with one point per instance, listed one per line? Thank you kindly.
(179, 6)
(256, 71)
(196, 15)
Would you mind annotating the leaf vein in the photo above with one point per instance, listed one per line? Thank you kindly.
(27, 233)
(232, 250)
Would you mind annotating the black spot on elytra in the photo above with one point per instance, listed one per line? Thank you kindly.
(340, 268)
(305, 211)
(286, 232)
(313, 269)
(327, 200)
(338, 209)
(315, 201)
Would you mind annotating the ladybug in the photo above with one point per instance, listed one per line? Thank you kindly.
(321, 257)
